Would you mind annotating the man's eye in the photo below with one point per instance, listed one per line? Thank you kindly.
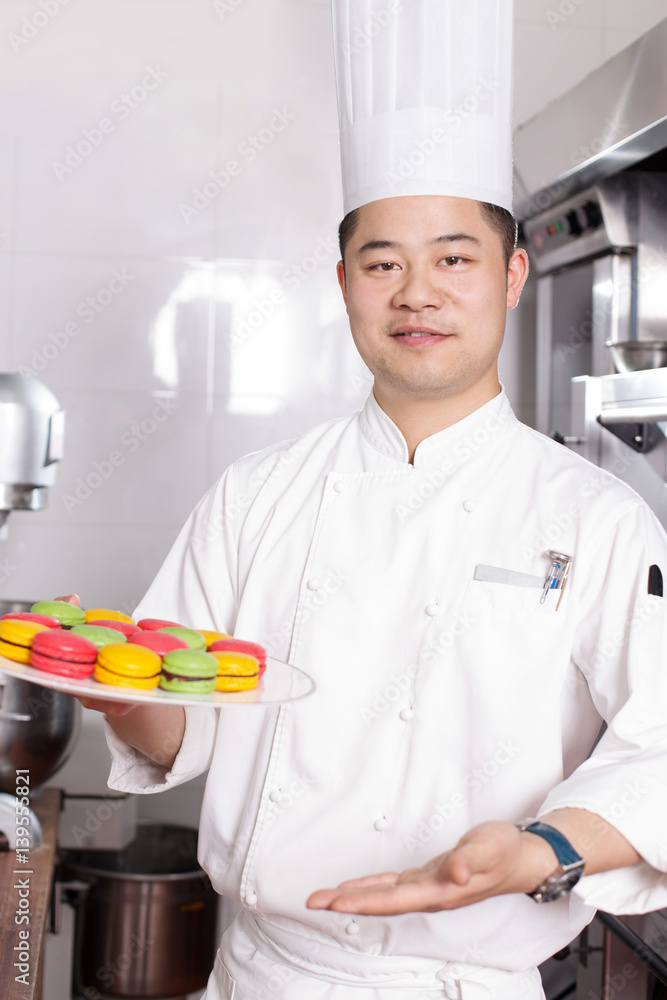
(452, 260)
(384, 266)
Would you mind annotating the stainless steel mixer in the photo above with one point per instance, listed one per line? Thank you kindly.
(32, 439)
(38, 726)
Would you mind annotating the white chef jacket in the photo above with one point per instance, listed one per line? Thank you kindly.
(442, 700)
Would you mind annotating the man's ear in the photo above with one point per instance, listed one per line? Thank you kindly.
(340, 273)
(517, 272)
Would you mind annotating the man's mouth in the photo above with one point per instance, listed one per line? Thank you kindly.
(419, 335)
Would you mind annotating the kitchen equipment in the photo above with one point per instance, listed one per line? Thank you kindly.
(32, 437)
(611, 120)
(38, 726)
(600, 301)
(638, 355)
(619, 423)
(146, 918)
(621, 956)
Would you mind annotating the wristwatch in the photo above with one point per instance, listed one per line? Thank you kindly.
(570, 864)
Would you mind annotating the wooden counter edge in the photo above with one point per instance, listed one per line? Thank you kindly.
(37, 876)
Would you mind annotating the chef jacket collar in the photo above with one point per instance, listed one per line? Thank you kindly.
(481, 429)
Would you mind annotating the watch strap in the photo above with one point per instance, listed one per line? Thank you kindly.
(562, 847)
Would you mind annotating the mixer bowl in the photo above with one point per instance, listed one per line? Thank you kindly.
(638, 355)
(38, 726)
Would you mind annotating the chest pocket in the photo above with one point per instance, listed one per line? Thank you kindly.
(489, 601)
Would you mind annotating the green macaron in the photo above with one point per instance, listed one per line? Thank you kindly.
(99, 635)
(195, 640)
(67, 614)
(189, 671)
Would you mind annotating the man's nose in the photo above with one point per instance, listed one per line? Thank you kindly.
(418, 290)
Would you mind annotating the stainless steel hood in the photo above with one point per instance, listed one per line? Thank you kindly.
(613, 119)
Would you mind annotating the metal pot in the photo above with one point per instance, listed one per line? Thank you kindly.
(38, 727)
(146, 920)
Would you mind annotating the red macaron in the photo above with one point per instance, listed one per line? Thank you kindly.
(61, 652)
(241, 646)
(160, 642)
(153, 624)
(29, 616)
(124, 627)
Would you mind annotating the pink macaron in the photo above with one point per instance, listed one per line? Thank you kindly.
(153, 624)
(160, 642)
(124, 627)
(61, 652)
(30, 616)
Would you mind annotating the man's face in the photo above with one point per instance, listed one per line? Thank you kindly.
(431, 266)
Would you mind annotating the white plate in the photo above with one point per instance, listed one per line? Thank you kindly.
(281, 682)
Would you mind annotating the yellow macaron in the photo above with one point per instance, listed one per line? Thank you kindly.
(236, 671)
(107, 615)
(128, 665)
(212, 637)
(16, 638)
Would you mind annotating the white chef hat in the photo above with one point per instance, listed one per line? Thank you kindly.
(424, 98)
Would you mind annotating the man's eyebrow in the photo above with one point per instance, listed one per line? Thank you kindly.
(377, 245)
(457, 238)
(445, 238)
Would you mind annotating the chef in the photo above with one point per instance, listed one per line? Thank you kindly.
(484, 761)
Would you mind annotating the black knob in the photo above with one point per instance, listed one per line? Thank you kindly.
(593, 214)
(575, 227)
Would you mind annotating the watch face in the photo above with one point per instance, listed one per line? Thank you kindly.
(563, 885)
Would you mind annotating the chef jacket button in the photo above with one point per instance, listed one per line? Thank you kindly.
(251, 898)
(275, 795)
(468, 505)
(339, 486)
(313, 583)
(406, 714)
(352, 928)
(432, 610)
(380, 824)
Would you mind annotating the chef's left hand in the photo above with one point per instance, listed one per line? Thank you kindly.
(491, 859)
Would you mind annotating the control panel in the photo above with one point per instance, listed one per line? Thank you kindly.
(568, 225)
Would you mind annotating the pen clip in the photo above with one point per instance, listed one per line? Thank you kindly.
(557, 575)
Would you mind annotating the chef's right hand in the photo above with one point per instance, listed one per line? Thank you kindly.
(114, 708)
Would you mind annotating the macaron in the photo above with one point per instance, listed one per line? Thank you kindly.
(59, 652)
(128, 665)
(195, 640)
(159, 642)
(97, 614)
(98, 634)
(232, 645)
(16, 638)
(27, 616)
(67, 614)
(153, 624)
(212, 637)
(236, 671)
(190, 671)
(123, 627)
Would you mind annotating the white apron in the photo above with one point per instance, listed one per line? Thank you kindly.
(287, 966)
